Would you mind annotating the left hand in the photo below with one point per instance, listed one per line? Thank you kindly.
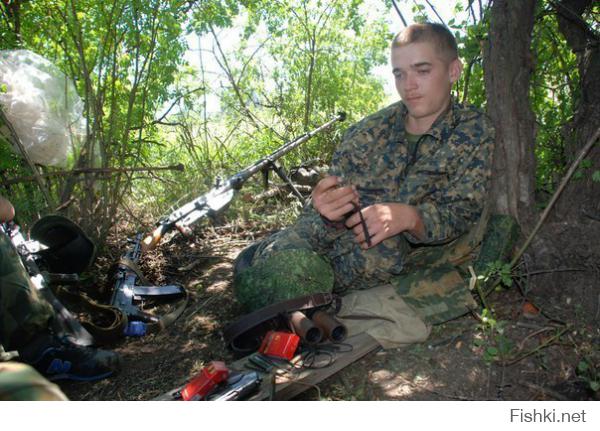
(385, 220)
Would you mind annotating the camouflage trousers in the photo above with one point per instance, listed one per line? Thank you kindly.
(23, 314)
(20, 382)
(353, 267)
(432, 279)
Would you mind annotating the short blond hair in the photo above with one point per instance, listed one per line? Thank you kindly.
(436, 34)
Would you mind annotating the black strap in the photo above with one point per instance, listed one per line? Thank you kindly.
(241, 335)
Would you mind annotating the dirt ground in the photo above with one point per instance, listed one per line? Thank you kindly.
(550, 352)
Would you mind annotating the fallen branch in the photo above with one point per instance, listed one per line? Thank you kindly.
(543, 345)
(545, 391)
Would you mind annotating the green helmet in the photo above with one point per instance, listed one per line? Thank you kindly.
(286, 274)
(69, 248)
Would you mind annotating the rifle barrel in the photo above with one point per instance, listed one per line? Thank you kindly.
(246, 173)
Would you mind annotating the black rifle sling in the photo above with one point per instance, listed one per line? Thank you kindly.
(243, 335)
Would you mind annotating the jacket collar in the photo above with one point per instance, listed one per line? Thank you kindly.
(442, 126)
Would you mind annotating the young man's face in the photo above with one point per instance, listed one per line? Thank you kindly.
(423, 79)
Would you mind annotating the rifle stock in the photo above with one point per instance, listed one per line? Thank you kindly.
(219, 196)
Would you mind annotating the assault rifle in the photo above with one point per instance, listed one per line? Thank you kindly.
(219, 196)
(127, 294)
(65, 323)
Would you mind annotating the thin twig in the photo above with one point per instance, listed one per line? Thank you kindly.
(548, 271)
(399, 13)
(588, 146)
(94, 171)
(545, 344)
(17, 141)
(521, 345)
(435, 12)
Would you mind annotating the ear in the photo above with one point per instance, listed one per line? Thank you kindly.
(454, 70)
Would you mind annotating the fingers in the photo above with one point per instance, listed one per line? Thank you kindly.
(325, 184)
(373, 230)
(332, 201)
(336, 213)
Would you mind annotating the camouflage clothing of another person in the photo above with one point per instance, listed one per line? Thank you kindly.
(418, 170)
(26, 325)
(20, 382)
(23, 314)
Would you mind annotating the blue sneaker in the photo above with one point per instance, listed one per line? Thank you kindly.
(59, 359)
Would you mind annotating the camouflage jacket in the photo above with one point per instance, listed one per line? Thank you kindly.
(444, 175)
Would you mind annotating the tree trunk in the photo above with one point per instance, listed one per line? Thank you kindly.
(508, 66)
(570, 237)
(580, 202)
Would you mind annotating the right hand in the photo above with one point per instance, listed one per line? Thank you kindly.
(332, 201)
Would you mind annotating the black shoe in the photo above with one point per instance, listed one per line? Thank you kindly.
(60, 359)
(244, 259)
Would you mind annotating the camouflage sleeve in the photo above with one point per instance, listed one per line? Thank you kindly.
(343, 160)
(310, 223)
(311, 226)
(449, 207)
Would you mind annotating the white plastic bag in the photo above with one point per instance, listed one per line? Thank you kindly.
(42, 105)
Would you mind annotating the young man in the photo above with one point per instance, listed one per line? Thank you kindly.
(25, 322)
(411, 175)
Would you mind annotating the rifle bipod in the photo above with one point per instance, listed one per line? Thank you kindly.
(276, 167)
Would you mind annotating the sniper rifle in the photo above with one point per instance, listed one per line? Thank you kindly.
(218, 197)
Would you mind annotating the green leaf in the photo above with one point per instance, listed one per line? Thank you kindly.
(585, 164)
(582, 367)
(595, 386)
(596, 176)
(492, 351)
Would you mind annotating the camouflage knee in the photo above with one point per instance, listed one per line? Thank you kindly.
(20, 382)
(286, 239)
(281, 275)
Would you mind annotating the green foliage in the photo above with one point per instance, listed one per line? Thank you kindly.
(122, 56)
(493, 342)
(554, 95)
(333, 50)
(270, 96)
(587, 371)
